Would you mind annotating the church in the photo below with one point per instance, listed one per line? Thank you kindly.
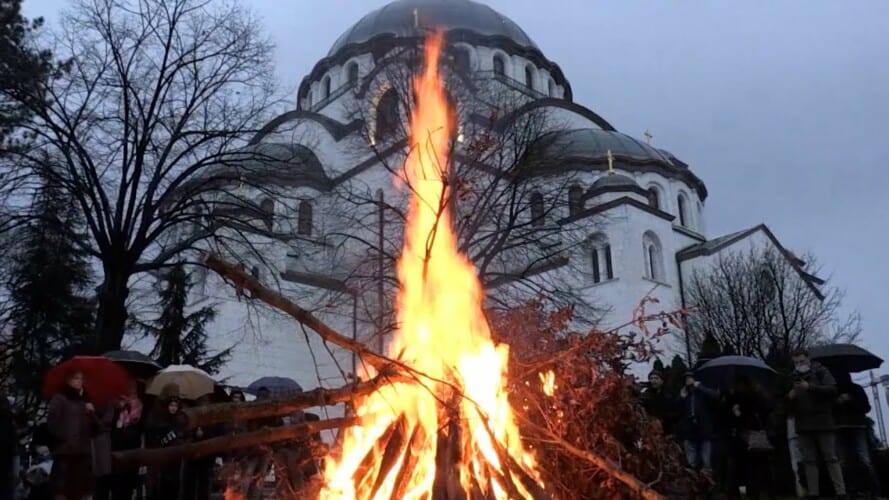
(551, 200)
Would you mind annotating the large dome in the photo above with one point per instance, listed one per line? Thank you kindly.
(398, 19)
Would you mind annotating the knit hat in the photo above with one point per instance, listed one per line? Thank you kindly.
(656, 373)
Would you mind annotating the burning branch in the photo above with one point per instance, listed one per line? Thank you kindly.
(219, 445)
(201, 416)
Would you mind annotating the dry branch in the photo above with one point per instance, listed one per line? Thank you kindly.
(602, 463)
(201, 416)
(215, 446)
(244, 281)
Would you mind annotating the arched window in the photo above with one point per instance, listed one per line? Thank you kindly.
(551, 88)
(499, 65)
(653, 256)
(654, 197)
(575, 200)
(462, 60)
(304, 218)
(537, 209)
(352, 74)
(267, 209)
(387, 115)
(600, 259)
(325, 88)
(682, 208)
(529, 76)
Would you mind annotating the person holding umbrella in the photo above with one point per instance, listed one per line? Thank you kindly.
(70, 420)
(811, 403)
(850, 413)
(75, 388)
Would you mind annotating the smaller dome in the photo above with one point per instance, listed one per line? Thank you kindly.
(614, 180)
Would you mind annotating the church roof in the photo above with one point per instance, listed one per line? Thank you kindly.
(614, 180)
(591, 143)
(414, 18)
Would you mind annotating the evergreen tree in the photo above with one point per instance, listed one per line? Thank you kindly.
(181, 336)
(710, 348)
(658, 365)
(675, 378)
(50, 313)
(19, 64)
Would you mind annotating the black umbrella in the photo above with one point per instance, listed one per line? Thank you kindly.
(846, 357)
(721, 372)
(140, 365)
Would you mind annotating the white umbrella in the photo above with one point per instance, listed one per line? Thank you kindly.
(192, 382)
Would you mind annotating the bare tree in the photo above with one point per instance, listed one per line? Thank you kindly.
(763, 302)
(146, 130)
(507, 184)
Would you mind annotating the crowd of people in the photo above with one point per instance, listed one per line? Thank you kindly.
(738, 433)
(82, 437)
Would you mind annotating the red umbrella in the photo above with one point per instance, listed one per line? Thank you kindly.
(103, 379)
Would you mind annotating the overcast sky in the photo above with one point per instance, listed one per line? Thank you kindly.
(781, 107)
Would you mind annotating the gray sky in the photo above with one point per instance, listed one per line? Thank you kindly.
(782, 108)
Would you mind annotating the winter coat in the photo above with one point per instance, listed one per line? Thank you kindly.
(852, 414)
(696, 417)
(813, 408)
(102, 442)
(660, 405)
(128, 437)
(69, 424)
(164, 429)
(754, 412)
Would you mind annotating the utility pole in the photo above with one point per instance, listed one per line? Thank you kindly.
(878, 405)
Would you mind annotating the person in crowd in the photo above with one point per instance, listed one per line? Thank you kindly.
(165, 428)
(8, 447)
(853, 448)
(126, 434)
(70, 420)
(748, 448)
(659, 403)
(257, 465)
(102, 453)
(695, 428)
(290, 457)
(199, 472)
(811, 402)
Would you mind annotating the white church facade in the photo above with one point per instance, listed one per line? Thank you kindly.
(627, 220)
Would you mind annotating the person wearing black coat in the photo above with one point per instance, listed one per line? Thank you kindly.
(165, 428)
(696, 430)
(747, 410)
(659, 403)
(8, 446)
(850, 414)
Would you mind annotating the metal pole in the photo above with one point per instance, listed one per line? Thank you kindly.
(878, 407)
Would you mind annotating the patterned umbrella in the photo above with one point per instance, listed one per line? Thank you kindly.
(140, 365)
(103, 380)
(192, 382)
(279, 387)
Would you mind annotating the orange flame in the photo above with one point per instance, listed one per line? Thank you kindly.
(444, 336)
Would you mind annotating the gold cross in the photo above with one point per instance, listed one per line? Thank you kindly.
(648, 137)
(610, 163)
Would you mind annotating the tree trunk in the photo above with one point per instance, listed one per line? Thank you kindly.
(111, 317)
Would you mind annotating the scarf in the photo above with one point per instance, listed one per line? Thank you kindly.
(130, 412)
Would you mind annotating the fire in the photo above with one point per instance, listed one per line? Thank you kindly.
(416, 438)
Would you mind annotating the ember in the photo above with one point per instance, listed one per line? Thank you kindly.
(451, 433)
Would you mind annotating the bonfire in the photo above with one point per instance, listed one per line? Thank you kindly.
(451, 432)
